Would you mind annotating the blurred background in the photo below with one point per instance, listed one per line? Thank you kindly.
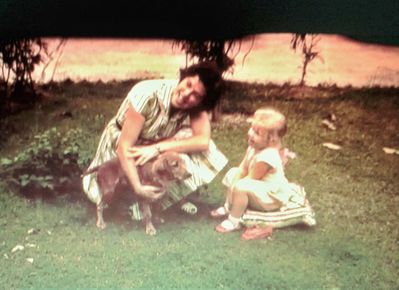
(262, 58)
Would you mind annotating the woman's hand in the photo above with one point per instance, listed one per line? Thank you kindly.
(127, 139)
(142, 154)
(149, 192)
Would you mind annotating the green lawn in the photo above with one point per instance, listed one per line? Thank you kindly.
(354, 192)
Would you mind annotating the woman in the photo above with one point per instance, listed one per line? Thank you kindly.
(164, 115)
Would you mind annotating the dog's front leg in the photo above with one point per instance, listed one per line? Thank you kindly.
(149, 227)
(156, 213)
(100, 219)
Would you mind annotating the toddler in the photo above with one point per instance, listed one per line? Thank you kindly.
(259, 183)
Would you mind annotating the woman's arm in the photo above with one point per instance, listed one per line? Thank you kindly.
(131, 129)
(259, 171)
(199, 141)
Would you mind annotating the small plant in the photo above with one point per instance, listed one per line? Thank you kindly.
(307, 44)
(48, 165)
(219, 51)
(18, 59)
(208, 50)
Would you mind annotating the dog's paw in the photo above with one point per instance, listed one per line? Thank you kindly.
(150, 230)
(158, 219)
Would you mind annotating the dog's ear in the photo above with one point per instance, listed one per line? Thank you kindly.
(167, 166)
(162, 170)
(159, 167)
(170, 162)
(174, 163)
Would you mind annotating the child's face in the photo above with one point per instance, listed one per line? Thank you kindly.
(257, 138)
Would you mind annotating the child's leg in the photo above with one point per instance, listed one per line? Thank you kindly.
(239, 202)
(223, 210)
(252, 193)
(247, 193)
(244, 200)
(228, 181)
(264, 203)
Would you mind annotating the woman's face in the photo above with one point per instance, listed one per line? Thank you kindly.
(189, 93)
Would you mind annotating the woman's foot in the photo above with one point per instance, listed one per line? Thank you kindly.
(189, 208)
(219, 212)
(228, 225)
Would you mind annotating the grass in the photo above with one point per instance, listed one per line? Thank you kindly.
(353, 191)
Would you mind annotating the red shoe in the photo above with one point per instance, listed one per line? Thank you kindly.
(257, 232)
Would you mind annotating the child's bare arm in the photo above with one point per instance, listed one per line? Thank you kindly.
(260, 170)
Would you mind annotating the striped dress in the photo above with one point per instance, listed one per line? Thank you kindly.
(152, 99)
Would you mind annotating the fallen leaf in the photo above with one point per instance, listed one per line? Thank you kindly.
(5, 161)
(329, 125)
(30, 245)
(17, 248)
(30, 260)
(390, 150)
(33, 231)
(289, 154)
(332, 146)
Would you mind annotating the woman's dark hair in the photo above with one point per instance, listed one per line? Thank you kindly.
(211, 76)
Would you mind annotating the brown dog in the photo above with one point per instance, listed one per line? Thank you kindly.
(161, 171)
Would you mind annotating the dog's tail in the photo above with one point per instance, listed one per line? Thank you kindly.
(89, 171)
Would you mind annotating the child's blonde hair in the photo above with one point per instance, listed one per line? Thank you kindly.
(270, 122)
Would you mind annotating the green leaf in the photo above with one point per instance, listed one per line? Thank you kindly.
(64, 179)
(5, 161)
(25, 179)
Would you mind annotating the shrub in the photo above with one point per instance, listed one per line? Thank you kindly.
(51, 164)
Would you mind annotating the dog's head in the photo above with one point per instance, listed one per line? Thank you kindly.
(170, 166)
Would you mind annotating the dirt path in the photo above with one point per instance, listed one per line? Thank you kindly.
(345, 62)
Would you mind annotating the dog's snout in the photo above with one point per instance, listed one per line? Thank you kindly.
(182, 174)
(187, 175)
